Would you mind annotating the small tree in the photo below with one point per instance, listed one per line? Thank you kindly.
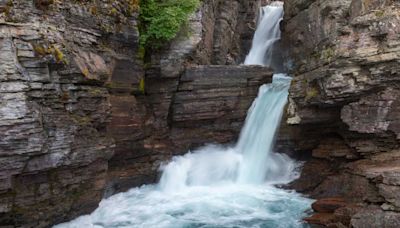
(161, 20)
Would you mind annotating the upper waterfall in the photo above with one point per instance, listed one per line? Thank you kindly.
(267, 34)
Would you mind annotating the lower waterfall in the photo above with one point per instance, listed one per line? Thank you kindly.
(217, 186)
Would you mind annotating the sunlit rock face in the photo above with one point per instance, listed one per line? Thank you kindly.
(344, 56)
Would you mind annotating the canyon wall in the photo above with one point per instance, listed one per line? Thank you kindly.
(83, 117)
(344, 106)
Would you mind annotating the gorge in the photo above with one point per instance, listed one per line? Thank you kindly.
(216, 186)
(86, 114)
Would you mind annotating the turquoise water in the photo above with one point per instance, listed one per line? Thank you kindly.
(217, 206)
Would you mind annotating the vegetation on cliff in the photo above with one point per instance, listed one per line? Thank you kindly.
(161, 20)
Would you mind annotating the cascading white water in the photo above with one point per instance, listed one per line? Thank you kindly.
(267, 34)
(257, 136)
(217, 186)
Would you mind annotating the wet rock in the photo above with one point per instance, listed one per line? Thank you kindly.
(307, 180)
(328, 205)
(320, 219)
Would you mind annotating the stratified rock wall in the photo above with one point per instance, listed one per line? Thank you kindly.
(344, 103)
(54, 61)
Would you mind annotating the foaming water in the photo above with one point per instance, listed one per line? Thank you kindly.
(218, 186)
(228, 205)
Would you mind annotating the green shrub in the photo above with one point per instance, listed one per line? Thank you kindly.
(161, 20)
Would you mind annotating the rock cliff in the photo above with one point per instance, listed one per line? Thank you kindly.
(344, 105)
(81, 117)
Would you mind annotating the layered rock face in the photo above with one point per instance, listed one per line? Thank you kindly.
(54, 61)
(344, 105)
(80, 118)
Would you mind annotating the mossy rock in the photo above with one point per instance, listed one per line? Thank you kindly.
(311, 93)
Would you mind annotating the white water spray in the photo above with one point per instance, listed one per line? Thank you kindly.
(217, 186)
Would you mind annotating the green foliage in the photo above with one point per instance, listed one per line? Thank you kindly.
(161, 20)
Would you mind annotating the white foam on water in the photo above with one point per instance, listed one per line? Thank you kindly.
(228, 205)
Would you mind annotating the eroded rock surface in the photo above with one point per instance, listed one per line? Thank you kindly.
(345, 58)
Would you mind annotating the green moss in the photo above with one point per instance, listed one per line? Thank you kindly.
(142, 87)
(81, 120)
(86, 72)
(316, 55)
(141, 52)
(161, 20)
(327, 54)
(113, 12)
(379, 13)
(58, 55)
(96, 91)
(112, 85)
(42, 50)
(7, 10)
(311, 93)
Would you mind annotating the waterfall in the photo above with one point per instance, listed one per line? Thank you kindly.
(217, 186)
(251, 160)
(257, 136)
(267, 34)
